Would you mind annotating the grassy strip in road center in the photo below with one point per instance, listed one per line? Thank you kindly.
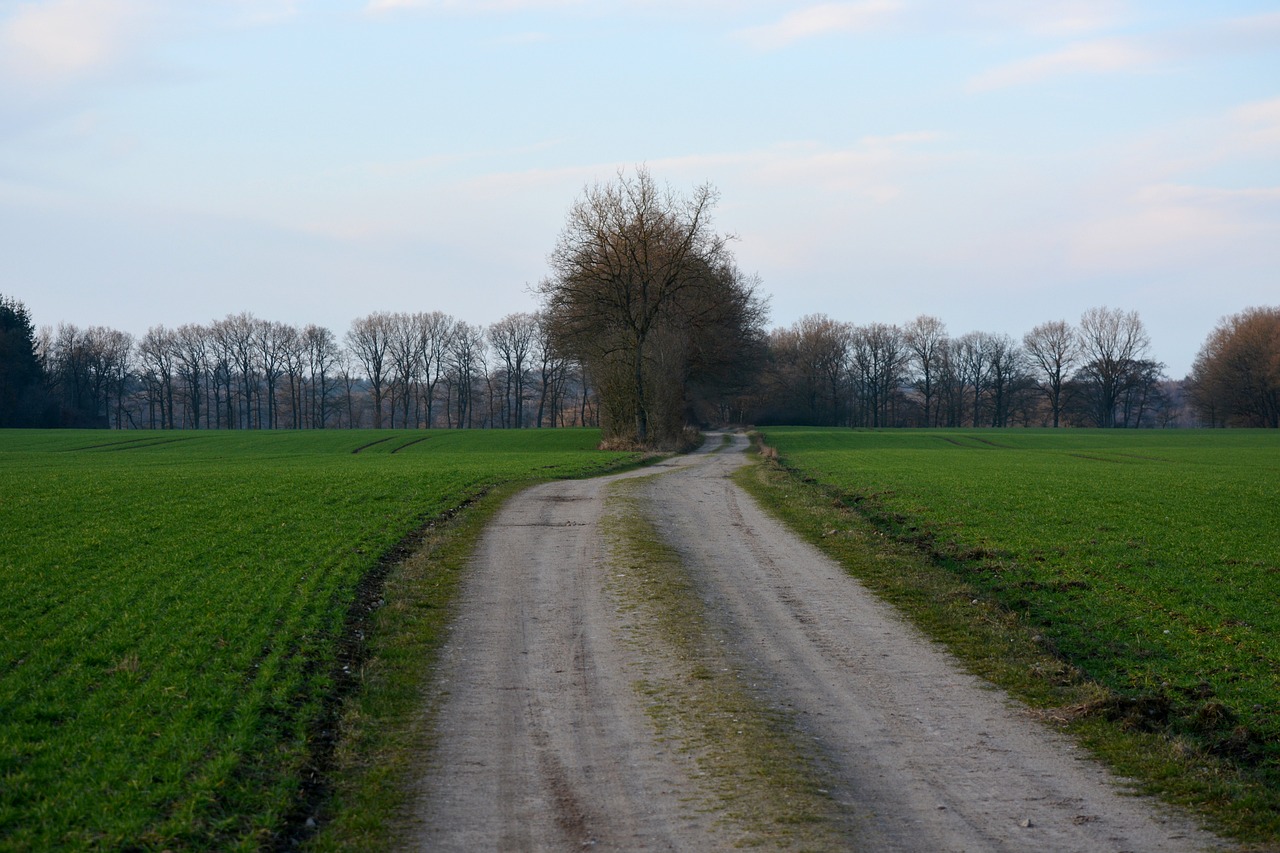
(760, 779)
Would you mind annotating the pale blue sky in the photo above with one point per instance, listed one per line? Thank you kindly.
(996, 163)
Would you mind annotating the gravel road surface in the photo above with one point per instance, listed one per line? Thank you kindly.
(542, 741)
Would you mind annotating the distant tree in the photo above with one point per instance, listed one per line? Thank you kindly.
(24, 399)
(272, 341)
(973, 359)
(158, 352)
(553, 369)
(323, 356)
(87, 369)
(369, 340)
(192, 354)
(639, 290)
(926, 340)
(1007, 376)
(237, 335)
(436, 331)
(294, 356)
(809, 375)
(1235, 380)
(1112, 344)
(405, 358)
(1052, 350)
(879, 361)
(513, 339)
(464, 366)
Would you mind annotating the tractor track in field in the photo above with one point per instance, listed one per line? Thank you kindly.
(543, 742)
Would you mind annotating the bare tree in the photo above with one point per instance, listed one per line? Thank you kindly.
(157, 352)
(1111, 343)
(191, 352)
(633, 265)
(295, 371)
(810, 376)
(322, 354)
(1006, 375)
(237, 333)
(926, 339)
(466, 360)
(1053, 350)
(369, 340)
(552, 369)
(272, 341)
(879, 364)
(513, 338)
(973, 358)
(405, 357)
(436, 331)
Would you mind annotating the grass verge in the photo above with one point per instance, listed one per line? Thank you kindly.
(384, 724)
(761, 780)
(996, 643)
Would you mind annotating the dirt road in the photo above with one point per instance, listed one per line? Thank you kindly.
(543, 741)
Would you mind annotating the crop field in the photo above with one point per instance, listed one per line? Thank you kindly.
(171, 606)
(1150, 561)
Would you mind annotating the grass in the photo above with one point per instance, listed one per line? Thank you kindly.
(177, 610)
(762, 779)
(1122, 582)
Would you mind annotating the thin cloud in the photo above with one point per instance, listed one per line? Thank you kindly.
(1225, 37)
(1051, 17)
(1164, 225)
(54, 42)
(385, 6)
(820, 20)
(1103, 56)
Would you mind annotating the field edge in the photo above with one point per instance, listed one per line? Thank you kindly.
(995, 644)
(382, 726)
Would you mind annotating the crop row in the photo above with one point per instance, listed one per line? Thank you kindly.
(172, 604)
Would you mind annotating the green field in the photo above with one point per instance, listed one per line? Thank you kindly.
(172, 604)
(1150, 561)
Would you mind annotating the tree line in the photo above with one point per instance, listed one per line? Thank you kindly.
(1098, 373)
(389, 370)
(647, 327)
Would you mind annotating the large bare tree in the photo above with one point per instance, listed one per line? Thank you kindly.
(640, 281)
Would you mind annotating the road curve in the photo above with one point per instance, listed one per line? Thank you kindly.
(541, 741)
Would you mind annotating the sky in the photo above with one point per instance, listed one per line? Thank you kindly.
(994, 163)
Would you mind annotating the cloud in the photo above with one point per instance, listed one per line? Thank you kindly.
(256, 13)
(385, 6)
(1256, 126)
(1092, 57)
(1050, 17)
(51, 43)
(1164, 225)
(820, 20)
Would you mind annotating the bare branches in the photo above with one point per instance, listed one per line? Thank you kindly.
(641, 286)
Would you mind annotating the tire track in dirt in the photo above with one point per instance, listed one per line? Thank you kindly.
(924, 755)
(542, 742)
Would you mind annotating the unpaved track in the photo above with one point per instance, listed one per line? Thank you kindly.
(542, 742)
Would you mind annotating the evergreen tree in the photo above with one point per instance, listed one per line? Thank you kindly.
(23, 397)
